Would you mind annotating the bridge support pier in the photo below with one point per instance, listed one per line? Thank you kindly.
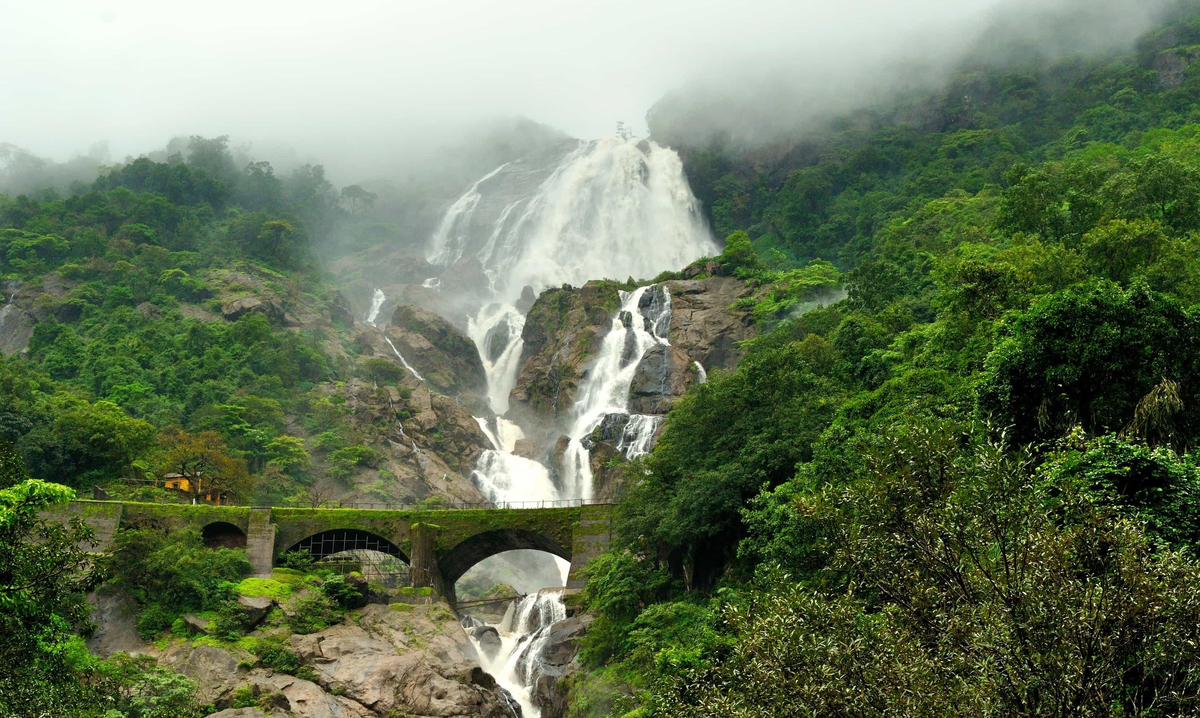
(423, 560)
(260, 542)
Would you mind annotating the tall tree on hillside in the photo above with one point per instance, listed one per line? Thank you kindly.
(356, 198)
(204, 460)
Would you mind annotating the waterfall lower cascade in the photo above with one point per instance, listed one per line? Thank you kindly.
(524, 632)
(643, 321)
(616, 207)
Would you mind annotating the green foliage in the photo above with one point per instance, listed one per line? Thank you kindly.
(45, 570)
(312, 611)
(346, 595)
(171, 572)
(1090, 355)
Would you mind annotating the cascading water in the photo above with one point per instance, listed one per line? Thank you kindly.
(616, 207)
(524, 633)
(643, 321)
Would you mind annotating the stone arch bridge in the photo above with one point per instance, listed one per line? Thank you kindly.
(439, 545)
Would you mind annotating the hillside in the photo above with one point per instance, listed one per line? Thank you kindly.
(959, 490)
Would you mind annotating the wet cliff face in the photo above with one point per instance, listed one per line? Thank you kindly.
(565, 327)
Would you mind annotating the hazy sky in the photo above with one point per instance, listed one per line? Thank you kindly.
(339, 76)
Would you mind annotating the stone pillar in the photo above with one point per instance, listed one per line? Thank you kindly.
(592, 535)
(423, 559)
(260, 542)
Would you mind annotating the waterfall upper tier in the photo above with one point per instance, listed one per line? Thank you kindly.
(614, 207)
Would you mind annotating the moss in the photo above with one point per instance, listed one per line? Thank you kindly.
(268, 587)
(409, 591)
(400, 607)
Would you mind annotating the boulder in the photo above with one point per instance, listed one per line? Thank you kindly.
(236, 308)
(195, 623)
(339, 309)
(255, 608)
(557, 661)
(150, 311)
(487, 638)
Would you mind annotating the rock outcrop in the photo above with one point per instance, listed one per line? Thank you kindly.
(383, 661)
(558, 660)
(566, 326)
(563, 330)
(427, 442)
(441, 354)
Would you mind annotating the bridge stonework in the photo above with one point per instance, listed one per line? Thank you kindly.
(439, 545)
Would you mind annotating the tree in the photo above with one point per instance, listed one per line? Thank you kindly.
(276, 235)
(203, 459)
(356, 198)
(45, 570)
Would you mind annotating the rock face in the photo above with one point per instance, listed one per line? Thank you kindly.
(442, 355)
(16, 329)
(664, 374)
(387, 661)
(563, 330)
(566, 326)
(705, 324)
(236, 308)
(558, 661)
(428, 444)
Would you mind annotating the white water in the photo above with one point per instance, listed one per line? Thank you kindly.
(615, 208)
(377, 301)
(700, 373)
(605, 389)
(501, 367)
(523, 636)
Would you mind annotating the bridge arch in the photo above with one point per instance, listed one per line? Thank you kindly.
(334, 541)
(473, 549)
(222, 534)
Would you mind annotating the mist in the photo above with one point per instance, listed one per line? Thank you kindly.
(382, 90)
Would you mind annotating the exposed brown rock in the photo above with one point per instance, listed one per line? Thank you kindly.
(442, 355)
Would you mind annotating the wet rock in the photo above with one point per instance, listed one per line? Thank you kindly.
(705, 323)
(663, 376)
(488, 640)
(525, 302)
(557, 661)
(115, 616)
(526, 449)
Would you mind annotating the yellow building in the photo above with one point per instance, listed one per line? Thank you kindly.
(183, 484)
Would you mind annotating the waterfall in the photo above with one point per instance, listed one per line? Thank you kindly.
(643, 321)
(524, 633)
(377, 301)
(701, 375)
(496, 331)
(615, 207)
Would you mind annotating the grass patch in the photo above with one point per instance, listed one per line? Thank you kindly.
(269, 587)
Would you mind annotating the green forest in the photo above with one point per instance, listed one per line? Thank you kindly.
(970, 487)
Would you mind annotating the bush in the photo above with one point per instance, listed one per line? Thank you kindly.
(344, 594)
(154, 619)
(312, 612)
